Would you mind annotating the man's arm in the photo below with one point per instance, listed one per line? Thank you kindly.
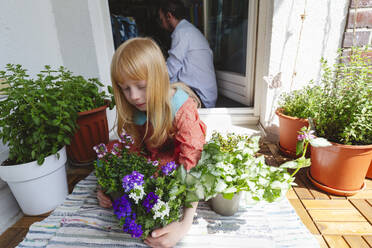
(177, 54)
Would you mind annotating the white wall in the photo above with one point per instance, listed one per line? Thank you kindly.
(75, 34)
(322, 34)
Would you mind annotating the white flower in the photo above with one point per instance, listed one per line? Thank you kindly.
(220, 165)
(286, 176)
(263, 181)
(241, 145)
(239, 156)
(283, 186)
(137, 193)
(220, 186)
(251, 185)
(228, 179)
(161, 209)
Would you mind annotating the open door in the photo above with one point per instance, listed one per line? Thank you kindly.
(230, 27)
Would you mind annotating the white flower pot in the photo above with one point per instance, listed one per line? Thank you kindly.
(224, 206)
(38, 189)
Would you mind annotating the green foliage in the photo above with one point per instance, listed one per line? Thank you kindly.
(38, 116)
(300, 103)
(344, 113)
(228, 165)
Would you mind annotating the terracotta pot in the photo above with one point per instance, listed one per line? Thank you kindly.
(93, 130)
(340, 169)
(288, 132)
(369, 172)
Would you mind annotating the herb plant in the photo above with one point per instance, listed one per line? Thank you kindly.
(148, 197)
(300, 103)
(344, 113)
(228, 165)
(38, 116)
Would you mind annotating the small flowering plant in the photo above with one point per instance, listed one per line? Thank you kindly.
(146, 197)
(306, 136)
(228, 165)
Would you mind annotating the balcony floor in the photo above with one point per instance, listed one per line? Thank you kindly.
(334, 220)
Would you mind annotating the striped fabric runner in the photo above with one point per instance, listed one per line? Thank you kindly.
(80, 222)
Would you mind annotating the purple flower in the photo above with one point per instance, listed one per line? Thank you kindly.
(101, 150)
(168, 168)
(129, 181)
(122, 207)
(150, 200)
(304, 135)
(115, 149)
(125, 138)
(130, 226)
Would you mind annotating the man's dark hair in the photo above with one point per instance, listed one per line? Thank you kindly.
(175, 7)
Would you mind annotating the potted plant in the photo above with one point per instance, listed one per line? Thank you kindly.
(36, 122)
(91, 104)
(295, 108)
(144, 197)
(228, 166)
(344, 117)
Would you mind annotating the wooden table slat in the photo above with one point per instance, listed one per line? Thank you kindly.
(356, 241)
(336, 241)
(317, 193)
(324, 204)
(305, 217)
(364, 207)
(321, 241)
(336, 215)
(368, 239)
(344, 228)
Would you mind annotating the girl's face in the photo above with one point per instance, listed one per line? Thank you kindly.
(135, 92)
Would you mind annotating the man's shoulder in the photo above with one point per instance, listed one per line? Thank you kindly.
(186, 25)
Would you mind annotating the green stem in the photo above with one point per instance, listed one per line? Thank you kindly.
(303, 155)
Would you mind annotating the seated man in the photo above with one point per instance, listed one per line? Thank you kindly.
(190, 58)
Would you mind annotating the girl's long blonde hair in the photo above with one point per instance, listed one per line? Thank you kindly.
(141, 59)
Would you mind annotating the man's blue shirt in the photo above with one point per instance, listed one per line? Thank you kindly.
(191, 61)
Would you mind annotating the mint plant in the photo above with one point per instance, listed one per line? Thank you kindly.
(38, 116)
(344, 112)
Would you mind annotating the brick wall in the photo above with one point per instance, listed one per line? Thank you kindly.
(363, 24)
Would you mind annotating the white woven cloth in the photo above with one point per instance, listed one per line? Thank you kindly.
(80, 222)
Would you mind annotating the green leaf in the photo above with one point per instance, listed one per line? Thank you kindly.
(181, 173)
(300, 147)
(228, 196)
(303, 162)
(191, 197)
(289, 165)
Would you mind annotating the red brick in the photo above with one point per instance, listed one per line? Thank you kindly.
(361, 38)
(362, 3)
(363, 20)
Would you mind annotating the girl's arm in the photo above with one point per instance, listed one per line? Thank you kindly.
(169, 235)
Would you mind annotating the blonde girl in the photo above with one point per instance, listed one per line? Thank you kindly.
(162, 118)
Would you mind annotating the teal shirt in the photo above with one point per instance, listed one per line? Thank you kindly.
(178, 99)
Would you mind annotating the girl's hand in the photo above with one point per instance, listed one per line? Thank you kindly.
(103, 199)
(169, 235)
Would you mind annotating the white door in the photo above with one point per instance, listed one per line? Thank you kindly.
(230, 27)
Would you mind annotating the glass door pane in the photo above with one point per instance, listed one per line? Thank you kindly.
(227, 34)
